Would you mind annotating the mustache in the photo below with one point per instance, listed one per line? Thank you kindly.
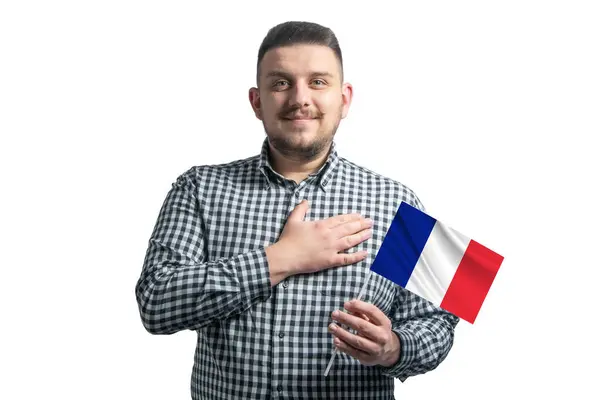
(290, 113)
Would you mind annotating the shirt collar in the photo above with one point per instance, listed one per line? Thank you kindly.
(324, 174)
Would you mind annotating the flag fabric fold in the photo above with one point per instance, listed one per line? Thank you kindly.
(436, 262)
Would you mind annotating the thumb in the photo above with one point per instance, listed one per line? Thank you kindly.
(299, 212)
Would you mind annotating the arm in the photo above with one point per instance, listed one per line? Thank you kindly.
(178, 289)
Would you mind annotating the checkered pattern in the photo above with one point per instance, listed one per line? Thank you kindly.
(206, 270)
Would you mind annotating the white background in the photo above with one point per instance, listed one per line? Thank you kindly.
(487, 110)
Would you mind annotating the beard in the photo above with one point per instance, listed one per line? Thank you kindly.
(289, 147)
(287, 143)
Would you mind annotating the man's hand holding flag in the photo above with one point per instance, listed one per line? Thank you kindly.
(428, 259)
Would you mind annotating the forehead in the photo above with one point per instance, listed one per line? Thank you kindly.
(300, 60)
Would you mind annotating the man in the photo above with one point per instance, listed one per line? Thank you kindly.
(258, 254)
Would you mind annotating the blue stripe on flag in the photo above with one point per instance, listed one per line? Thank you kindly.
(403, 244)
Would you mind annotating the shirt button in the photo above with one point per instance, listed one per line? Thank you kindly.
(285, 284)
(279, 388)
(281, 334)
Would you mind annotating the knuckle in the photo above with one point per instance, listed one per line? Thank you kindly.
(360, 326)
(351, 240)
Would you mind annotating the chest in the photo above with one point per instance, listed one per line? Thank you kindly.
(242, 219)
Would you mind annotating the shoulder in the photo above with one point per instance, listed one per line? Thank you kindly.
(199, 173)
(380, 183)
(203, 174)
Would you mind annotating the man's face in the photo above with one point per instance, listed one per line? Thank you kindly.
(300, 99)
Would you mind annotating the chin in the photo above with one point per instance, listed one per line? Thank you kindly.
(299, 144)
(301, 138)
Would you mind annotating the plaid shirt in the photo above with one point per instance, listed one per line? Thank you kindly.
(206, 270)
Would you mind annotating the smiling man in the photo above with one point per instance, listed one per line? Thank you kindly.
(261, 256)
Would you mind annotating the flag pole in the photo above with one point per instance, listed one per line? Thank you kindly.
(360, 296)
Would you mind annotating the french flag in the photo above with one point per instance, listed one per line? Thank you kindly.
(436, 262)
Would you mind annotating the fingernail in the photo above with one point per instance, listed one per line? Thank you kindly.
(332, 327)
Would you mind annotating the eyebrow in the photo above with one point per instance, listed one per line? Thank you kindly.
(282, 74)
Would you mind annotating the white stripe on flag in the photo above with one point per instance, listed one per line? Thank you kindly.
(438, 263)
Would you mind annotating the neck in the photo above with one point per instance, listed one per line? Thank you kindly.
(295, 168)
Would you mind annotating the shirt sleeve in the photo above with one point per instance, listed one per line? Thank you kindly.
(426, 334)
(178, 289)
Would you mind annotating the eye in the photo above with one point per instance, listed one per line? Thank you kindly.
(319, 82)
(280, 84)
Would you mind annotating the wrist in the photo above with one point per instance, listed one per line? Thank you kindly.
(279, 260)
(394, 354)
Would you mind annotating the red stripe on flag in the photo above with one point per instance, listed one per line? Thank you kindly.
(472, 281)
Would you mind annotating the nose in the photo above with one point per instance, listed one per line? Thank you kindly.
(300, 95)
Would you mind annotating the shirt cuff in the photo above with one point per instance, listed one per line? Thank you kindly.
(254, 276)
(407, 355)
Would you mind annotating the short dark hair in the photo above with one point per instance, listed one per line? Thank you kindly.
(299, 32)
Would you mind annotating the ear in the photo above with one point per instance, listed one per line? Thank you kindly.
(347, 93)
(254, 98)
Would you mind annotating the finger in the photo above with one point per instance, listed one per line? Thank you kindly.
(358, 342)
(375, 315)
(299, 212)
(341, 259)
(334, 221)
(351, 227)
(362, 327)
(353, 240)
(375, 339)
(360, 355)
(363, 316)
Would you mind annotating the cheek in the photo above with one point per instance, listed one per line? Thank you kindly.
(270, 109)
(330, 105)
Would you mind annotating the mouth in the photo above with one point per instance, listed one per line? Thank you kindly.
(299, 121)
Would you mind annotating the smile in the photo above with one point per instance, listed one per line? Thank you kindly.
(300, 121)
